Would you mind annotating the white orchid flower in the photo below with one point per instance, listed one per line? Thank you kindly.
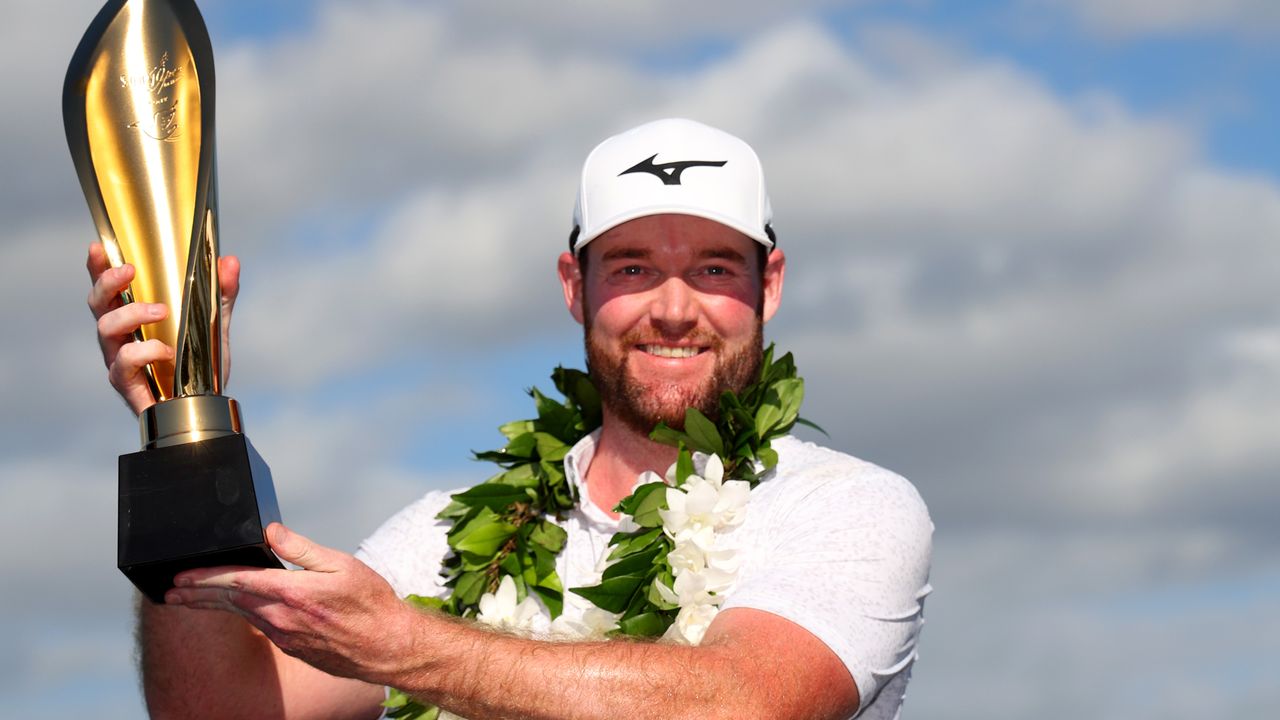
(596, 624)
(702, 505)
(501, 611)
(687, 556)
(726, 560)
(691, 624)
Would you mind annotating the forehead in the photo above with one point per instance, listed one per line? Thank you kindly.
(671, 235)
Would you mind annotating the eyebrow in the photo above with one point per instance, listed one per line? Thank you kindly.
(625, 253)
(724, 253)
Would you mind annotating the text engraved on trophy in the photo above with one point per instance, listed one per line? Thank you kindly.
(160, 82)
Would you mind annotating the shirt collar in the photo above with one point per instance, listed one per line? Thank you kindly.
(576, 463)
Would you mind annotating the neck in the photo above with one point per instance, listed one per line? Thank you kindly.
(621, 455)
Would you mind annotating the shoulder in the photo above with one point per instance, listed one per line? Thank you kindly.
(807, 473)
(407, 549)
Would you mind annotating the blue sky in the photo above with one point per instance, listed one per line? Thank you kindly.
(1031, 267)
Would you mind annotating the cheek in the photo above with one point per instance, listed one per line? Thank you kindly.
(730, 315)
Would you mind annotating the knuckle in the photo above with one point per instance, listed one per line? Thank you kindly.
(107, 325)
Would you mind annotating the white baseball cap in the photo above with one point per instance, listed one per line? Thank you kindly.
(672, 166)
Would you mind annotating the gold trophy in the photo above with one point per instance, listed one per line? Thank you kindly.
(138, 105)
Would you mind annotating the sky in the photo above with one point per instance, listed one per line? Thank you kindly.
(1032, 267)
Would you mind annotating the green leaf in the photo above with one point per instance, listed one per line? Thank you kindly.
(483, 535)
(668, 435)
(550, 447)
(515, 429)
(510, 564)
(702, 432)
(768, 457)
(644, 625)
(495, 496)
(646, 510)
(791, 391)
(769, 414)
(613, 594)
(635, 564)
(522, 445)
(811, 424)
(544, 563)
(425, 602)
(552, 598)
(453, 511)
(655, 598)
(629, 503)
(470, 587)
(549, 535)
(625, 544)
(684, 465)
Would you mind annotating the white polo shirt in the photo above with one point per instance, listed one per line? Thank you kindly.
(834, 544)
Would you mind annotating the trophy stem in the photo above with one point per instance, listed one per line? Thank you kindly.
(189, 419)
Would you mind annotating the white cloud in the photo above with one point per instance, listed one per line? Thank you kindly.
(1131, 17)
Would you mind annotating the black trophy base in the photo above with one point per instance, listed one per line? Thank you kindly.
(198, 504)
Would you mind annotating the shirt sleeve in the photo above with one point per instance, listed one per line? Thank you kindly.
(845, 555)
(408, 548)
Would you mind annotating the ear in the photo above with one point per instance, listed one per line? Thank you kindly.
(571, 282)
(775, 267)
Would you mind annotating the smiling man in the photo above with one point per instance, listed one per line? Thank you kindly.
(673, 271)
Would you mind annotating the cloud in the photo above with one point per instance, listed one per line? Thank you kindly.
(1164, 17)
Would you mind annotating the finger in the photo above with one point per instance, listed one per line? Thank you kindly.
(242, 578)
(134, 356)
(105, 293)
(257, 611)
(124, 320)
(229, 281)
(301, 551)
(97, 262)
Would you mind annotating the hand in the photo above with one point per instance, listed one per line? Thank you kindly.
(336, 614)
(125, 359)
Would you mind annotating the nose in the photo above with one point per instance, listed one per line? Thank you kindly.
(674, 310)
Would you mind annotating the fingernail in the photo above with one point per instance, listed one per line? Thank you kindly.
(172, 598)
(182, 581)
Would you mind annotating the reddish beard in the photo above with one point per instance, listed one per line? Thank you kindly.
(641, 406)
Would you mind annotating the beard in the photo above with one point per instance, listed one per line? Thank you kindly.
(642, 405)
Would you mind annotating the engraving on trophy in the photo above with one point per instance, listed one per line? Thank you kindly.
(163, 125)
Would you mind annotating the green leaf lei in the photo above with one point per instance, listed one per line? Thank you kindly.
(503, 526)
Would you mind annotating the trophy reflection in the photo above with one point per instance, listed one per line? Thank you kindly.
(138, 106)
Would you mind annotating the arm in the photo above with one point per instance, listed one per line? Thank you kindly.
(204, 664)
(340, 616)
(215, 665)
(750, 664)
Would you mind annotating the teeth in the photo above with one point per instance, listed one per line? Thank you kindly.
(670, 352)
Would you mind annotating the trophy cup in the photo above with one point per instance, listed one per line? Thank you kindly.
(138, 106)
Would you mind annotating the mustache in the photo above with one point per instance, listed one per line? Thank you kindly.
(698, 336)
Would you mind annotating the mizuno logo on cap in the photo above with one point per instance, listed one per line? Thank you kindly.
(669, 173)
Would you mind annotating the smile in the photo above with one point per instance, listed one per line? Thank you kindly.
(671, 352)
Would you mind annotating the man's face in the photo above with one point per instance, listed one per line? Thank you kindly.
(673, 308)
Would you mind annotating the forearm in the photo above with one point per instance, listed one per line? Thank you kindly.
(214, 664)
(480, 674)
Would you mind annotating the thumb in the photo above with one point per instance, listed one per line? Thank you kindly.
(301, 551)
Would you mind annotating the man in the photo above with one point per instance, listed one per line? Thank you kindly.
(672, 271)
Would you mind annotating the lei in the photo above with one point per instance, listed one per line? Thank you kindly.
(665, 574)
